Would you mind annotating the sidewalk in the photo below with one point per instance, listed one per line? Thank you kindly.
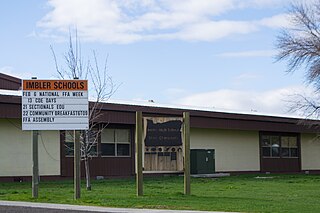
(67, 207)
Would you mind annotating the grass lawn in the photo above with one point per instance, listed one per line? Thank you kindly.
(243, 193)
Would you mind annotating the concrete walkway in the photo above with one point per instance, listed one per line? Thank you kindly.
(43, 207)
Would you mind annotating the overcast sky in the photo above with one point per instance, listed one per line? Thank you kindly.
(210, 53)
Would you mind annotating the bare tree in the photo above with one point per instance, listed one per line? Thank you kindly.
(299, 46)
(101, 90)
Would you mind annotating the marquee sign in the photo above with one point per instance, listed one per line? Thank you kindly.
(55, 105)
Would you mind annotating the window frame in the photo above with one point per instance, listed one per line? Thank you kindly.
(280, 135)
(65, 133)
(72, 155)
(270, 145)
(296, 147)
(115, 142)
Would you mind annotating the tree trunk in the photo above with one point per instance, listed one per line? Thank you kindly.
(88, 181)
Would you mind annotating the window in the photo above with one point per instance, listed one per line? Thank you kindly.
(270, 146)
(279, 146)
(68, 143)
(115, 142)
(91, 146)
(289, 146)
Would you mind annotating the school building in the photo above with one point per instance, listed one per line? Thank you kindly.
(237, 142)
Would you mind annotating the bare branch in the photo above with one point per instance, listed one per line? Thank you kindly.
(300, 44)
(102, 89)
(60, 73)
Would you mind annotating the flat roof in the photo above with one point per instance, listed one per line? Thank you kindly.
(170, 106)
(123, 112)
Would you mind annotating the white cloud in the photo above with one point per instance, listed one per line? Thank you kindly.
(213, 30)
(10, 71)
(277, 21)
(265, 3)
(125, 21)
(6, 69)
(270, 102)
(250, 53)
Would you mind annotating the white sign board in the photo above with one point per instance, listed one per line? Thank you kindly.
(55, 105)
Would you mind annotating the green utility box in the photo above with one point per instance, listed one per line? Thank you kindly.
(202, 161)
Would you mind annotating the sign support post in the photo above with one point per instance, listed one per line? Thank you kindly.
(35, 164)
(139, 141)
(186, 138)
(77, 160)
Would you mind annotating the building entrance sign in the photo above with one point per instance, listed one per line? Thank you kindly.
(163, 145)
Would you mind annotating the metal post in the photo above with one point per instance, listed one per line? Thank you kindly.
(139, 174)
(186, 138)
(77, 177)
(35, 164)
(35, 161)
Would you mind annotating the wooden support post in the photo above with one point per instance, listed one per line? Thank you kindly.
(76, 173)
(186, 138)
(139, 141)
(35, 164)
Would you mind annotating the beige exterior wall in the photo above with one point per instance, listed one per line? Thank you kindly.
(15, 151)
(234, 150)
(310, 152)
